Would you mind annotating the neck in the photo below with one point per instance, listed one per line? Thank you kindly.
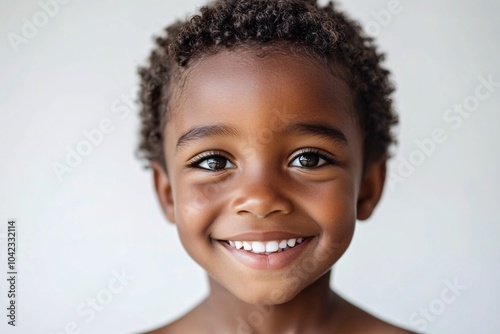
(311, 309)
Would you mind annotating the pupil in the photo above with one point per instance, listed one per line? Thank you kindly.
(309, 160)
(216, 163)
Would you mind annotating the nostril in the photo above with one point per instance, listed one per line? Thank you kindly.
(261, 203)
(264, 215)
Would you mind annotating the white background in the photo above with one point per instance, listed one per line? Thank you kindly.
(438, 226)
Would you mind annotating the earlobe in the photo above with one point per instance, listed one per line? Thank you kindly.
(371, 188)
(164, 191)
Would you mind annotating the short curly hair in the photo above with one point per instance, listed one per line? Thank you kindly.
(323, 31)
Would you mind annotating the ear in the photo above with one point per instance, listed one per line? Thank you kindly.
(164, 191)
(371, 188)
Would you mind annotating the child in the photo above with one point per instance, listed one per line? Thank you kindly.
(267, 126)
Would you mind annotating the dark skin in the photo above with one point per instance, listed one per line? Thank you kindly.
(267, 145)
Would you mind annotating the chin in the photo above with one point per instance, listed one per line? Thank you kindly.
(266, 294)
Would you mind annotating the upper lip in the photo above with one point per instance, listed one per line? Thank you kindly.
(263, 236)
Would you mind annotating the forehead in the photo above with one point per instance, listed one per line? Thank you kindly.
(247, 89)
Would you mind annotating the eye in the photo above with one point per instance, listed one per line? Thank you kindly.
(312, 159)
(212, 162)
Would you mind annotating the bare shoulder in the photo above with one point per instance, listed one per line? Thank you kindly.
(175, 327)
(356, 320)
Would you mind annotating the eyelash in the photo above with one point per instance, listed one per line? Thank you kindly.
(330, 160)
(196, 161)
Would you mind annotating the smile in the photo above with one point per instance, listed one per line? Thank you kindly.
(259, 251)
(266, 247)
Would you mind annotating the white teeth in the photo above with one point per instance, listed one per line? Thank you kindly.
(272, 246)
(265, 247)
(258, 247)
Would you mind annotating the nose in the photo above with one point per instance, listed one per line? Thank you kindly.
(261, 195)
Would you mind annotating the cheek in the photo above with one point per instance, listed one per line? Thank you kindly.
(196, 207)
(333, 207)
(195, 198)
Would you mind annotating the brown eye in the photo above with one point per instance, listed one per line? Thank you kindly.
(215, 163)
(309, 160)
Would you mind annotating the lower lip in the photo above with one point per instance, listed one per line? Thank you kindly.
(272, 261)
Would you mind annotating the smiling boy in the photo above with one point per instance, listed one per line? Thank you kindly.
(267, 126)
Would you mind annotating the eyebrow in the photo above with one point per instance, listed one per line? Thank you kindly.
(319, 130)
(205, 131)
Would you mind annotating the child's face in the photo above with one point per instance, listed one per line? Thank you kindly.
(261, 150)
